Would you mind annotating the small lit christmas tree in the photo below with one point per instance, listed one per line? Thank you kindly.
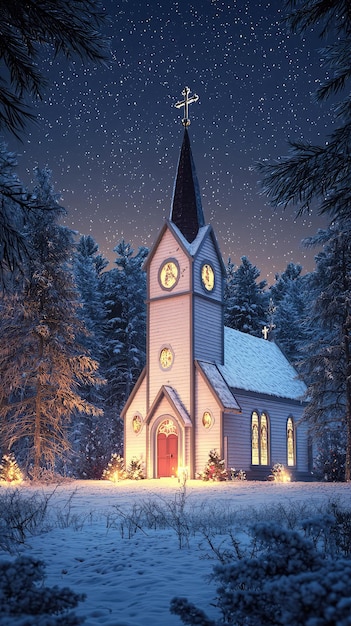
(115, 470)
(135, 469)
(280, 473)
(9, 470)
(215, 468)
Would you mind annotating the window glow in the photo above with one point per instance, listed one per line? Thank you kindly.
(255, 460)
(290, 443)
(264, 439)
(259, 439)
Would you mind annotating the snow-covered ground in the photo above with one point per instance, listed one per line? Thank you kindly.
(130, 574)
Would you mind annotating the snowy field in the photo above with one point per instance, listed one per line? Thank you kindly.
(128, 570)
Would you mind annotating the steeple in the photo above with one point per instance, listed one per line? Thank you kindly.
(187, 211)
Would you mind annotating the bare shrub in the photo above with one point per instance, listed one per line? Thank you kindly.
(20, 516)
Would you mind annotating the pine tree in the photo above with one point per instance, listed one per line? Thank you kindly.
(215, 468)
(41, 364)
(27, 26)
(125, 290)
(326, 366)
(91, 435)
(9, 469)
(246, 303)
(290, 298)
(15, 203)
(283, 282)
(319, 174)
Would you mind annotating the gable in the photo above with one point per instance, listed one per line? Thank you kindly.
(218, 386)
(259, 366)
(168, 397)
(168, 247)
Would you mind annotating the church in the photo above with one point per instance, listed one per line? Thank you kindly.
(204, 386)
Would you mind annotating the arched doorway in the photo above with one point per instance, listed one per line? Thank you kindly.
(167, 449)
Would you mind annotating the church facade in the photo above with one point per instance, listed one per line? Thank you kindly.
(206, 387)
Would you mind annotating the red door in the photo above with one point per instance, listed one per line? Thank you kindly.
(167, 455)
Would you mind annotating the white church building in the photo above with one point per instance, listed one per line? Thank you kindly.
(206, 387)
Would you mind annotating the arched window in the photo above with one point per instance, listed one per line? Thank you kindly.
(290, 442)
(259, 439)
(255, 453)
(264, 439)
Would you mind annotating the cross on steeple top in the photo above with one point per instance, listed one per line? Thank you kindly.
(185, 103)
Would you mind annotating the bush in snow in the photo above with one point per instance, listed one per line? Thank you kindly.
(288, 581)
(20, 516)
(235, 474)
(24, 601)
(135, 469)
(215, 468)
(9, 470)
(279, 473)
(115, 470)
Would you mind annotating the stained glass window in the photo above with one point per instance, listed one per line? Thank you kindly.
(290, 441)
(259, 439)
(264, 439)
(168, 428)
(255, 460)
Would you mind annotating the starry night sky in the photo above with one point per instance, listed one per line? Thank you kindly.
(112, 135)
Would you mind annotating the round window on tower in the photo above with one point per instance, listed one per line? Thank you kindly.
(168, 275)
(166, 358)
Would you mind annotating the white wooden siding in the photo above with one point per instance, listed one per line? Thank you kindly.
(238, 430)
(208, 254)
(135, 444)
(169, 248)
(170, 324)
(208, 330)
(206, 439)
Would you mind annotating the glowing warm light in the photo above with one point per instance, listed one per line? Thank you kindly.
(280, 473)
(9, 470)
(114, 477)
(182, 474)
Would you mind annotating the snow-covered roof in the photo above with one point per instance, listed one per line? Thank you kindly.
(257, 365)
(179, 406)
(192, 247)
(219, 386)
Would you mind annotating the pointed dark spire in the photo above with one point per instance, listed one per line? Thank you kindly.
(187, 211)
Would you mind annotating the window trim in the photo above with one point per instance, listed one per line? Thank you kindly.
(293, 430)
(257, 419)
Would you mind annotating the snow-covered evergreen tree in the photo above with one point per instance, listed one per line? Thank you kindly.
(10, 472)
(246, 300)
(125, 342)
(283, 282)
(42, 366)
(290, 300)
(326, 366)
(88, 266)
(91, 435)
(215, 469)
(15, 203)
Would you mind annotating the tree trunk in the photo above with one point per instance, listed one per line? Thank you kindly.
(37, 434)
